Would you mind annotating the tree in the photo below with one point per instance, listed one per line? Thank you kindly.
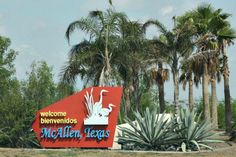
(213, 24)
(101, 27)
(7, 70)
(63, 90)
(187, 77)
(226, 35)
(39, 89)
(174, 45)
(16, 115)
(159, 75)
(130, 57)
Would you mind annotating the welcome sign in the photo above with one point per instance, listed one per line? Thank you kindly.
(86, 119)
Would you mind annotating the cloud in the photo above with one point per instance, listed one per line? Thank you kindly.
(167, 10)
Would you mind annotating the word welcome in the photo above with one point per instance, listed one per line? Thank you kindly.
(52, 114)
(55, 118)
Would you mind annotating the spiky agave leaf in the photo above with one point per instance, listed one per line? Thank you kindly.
(194, 133)
(148, 131)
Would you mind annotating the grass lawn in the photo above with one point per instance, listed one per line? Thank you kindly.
(9, 152)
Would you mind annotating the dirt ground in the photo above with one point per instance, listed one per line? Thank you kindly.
(226, 149)
(7, 152)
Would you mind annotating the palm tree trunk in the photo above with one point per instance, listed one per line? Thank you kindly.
(161, 89)
(205, 93)
(105, 77)
(176, 92)
(190, 94)
(136, 91)
(228, 107)
(127, 101)
(161, 96)
(214, 117)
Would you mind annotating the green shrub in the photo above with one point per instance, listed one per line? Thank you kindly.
(193, 133)
(152, 131)
(149, 132)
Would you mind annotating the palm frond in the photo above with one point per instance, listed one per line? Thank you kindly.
(82, 47)
(156, 23)
(86, 25)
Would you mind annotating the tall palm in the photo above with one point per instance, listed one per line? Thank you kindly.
(225, 37)
(131, 46)
(160, 75)
(210, 22)
(187, 78)
(101, 27)
(221, 28)
(215, 74)
(174, 45)
(85, 61)
(200, 18)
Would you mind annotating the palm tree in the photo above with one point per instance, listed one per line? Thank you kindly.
(131, 48)
(215, 77)
(174, 45)
(187, 77)
(225, 37)
(210, 22)
(160, 75)
(81, 58)
(205, 64)
(101, 27)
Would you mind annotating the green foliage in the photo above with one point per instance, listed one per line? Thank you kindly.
(63, 90)
(19, 101)
(221, 115)
(7, 56)
(94, 59)
(39, 89)
(199, 108)
(16, 115)
(152, 131)
(16, 119)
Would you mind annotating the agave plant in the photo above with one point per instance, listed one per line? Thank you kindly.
(152, 131)
(193, 134)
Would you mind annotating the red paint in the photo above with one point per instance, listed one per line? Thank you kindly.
(75, 108)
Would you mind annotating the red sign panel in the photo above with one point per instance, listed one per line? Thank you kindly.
(86, 119)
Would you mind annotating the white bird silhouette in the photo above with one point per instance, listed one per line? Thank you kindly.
(98, 105)
(104, 112)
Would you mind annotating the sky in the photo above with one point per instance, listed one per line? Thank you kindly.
(37, 29)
